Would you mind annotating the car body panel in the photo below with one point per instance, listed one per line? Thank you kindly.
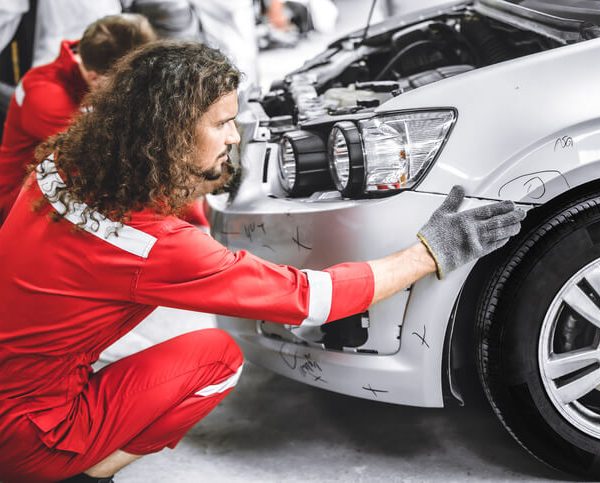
(527, 130)
(304, 236)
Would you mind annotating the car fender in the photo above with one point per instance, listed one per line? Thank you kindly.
(554, 165)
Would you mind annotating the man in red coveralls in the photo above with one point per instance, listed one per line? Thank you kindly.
(49, 96)
(93, 244)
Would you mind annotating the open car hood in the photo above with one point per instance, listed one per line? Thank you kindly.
(554, 12)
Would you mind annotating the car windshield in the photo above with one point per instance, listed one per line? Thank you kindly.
(582, 10)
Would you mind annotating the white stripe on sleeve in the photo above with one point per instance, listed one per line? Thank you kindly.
(222, 386)
(119, 235)
(320, 294)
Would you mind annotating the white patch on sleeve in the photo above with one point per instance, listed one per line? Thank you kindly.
(222, 386)
(117, 234)
(320, 296)
(19, 94)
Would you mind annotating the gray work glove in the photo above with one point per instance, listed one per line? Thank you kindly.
(454, 238)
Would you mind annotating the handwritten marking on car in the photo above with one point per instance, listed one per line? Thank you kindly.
(308, 366)
(250, 228)
(535, 185)
(563, 142)
(290, 360)
(230, 233)
(373, 390)
(530, 185)
(422, 337)
(297, 241)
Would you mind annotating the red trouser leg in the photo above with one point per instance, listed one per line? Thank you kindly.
(139, 404)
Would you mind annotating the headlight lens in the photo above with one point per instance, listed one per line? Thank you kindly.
(303, 164)
(340, 159)
(346, 162)
(287, 164)
(399, 148)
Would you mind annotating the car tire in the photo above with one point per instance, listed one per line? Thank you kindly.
(525, 328)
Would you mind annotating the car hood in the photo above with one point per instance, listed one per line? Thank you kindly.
(551, 11)
(564, 14)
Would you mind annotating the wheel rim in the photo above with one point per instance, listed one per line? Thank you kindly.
(569, 350)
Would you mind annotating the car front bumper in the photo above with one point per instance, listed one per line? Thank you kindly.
(402, 361)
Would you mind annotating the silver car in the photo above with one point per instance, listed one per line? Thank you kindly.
(347, 157)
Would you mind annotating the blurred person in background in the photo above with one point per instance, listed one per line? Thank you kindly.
(282, 23)
(395, 7)
(228, 26)
(31, 32)
(48, 97)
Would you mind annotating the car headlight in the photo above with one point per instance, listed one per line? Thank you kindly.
(303, 163)
(396, 151)
(346, 162)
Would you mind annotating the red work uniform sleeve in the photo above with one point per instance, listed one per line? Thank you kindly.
(190, 270)
(47, 109)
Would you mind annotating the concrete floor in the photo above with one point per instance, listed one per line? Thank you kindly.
(272, 429)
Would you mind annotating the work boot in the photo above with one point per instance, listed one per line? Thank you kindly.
(83, 478)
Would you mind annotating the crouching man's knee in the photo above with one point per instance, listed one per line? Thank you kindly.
(223, 347)
(220, 361)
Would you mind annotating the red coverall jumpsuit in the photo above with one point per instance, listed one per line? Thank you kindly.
(44, 103)
(67, 294)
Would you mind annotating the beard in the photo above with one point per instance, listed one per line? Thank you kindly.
(216, 180)
(216, 172)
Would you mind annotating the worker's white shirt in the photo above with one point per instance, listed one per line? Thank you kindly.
(11, 12)
(57, 20)
(230, 26)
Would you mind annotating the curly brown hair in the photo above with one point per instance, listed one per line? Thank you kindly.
(135, 148)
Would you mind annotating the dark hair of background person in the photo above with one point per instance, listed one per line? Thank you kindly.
(137, 146)
(107, 39)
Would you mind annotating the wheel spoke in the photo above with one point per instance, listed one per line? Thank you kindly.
(583, 305)
(593, 278)
(579, 387)
(562, 364)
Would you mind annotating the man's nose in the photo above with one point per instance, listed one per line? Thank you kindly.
(234, 135)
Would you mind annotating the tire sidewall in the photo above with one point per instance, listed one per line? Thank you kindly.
(525, 306)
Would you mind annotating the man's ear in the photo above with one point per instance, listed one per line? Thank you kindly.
(95, 79)
(91, 77)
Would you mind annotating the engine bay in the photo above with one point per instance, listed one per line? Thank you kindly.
(355, 74)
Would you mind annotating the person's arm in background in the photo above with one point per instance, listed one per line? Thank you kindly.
(10, 17)
(11, 14)
(46, 109)
(276, 15)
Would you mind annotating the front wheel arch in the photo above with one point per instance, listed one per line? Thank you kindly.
(460, 381)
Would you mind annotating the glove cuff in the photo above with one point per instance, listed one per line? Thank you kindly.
(438, 267)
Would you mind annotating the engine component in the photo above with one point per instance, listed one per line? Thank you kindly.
(308, 102)
(490, 48)
(350, 96)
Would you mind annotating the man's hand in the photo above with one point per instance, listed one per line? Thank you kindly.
(454, 238)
